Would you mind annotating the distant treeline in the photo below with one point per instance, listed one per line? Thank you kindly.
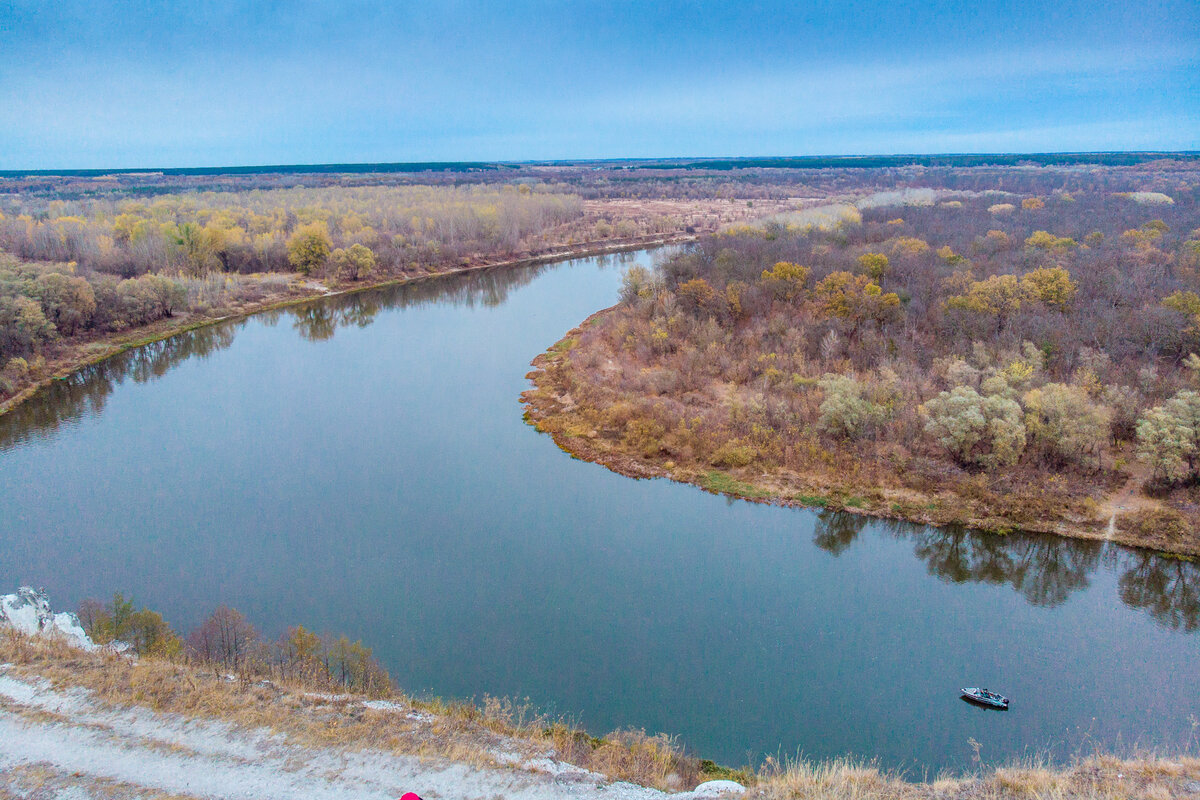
(197, 233)
(72, 267)
(1109, 159)
(302, 169)
(1113, 158)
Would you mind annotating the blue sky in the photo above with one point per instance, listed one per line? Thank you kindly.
(142, 84)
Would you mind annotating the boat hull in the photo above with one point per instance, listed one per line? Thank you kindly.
(978, 698)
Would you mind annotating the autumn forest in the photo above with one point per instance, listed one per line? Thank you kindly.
(1017, 357)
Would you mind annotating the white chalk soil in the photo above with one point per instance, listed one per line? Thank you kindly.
(65, 743)
(28, 611)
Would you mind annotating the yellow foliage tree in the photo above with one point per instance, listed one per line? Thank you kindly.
(356, 263)
(910, 246)
(308, 248)
(1052, 285)
(786, 280)
(875, 265)
(696, 295)
(1185, 303)
(855, 298)
(946, 253)
(1044, 240)
(998, 296)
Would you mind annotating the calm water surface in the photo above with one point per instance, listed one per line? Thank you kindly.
(361, 466)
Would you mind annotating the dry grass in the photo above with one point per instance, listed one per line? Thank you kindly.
(458, 732)
(479, 734)
(38, 782)
(1146, 777)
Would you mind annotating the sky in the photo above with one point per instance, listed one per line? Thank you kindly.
(158, 84)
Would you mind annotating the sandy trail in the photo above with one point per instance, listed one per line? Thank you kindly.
(1129, 498)
(64, 744)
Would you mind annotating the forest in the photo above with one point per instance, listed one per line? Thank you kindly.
(1010, 344)
(96, 264)
(1023, 357)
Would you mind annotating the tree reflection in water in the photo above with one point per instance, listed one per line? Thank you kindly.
(85, 391)
(489, 288)
(1168, 589)
(1045, 569)
(835, 532)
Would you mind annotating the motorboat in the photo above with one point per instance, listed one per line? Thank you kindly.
(985, 698)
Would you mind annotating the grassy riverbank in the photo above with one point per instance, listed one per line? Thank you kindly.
(281, 291)
(130, 707)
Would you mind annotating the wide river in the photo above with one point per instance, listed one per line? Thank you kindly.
(360, 466)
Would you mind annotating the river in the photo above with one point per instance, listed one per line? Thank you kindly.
(359, 465)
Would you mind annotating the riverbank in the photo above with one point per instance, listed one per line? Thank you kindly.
(102, 722)
(76, 354)
(1124, 516)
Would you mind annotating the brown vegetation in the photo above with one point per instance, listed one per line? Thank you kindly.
(294, 687)
(914, 356)
(474, 735)
(82, 278)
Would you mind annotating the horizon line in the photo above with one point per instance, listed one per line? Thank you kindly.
(779, 161)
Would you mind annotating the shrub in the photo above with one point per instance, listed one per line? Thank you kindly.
(1051, 285)
(355, 263)
(855, 298)
(67, 302)
(732, 454)
(785, 280)
(23, 325)
(1169, 438)
(910, 246)
(876, 265)
(144, 631)
(1064, 424)
(844, 412)
(1044, 240)
(976, 430)
(696, 295)
(635, 284)
(644, 435)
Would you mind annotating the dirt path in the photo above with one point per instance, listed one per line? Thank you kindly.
(65, 744)
(1129, 498)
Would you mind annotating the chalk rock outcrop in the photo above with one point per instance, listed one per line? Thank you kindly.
(29, 612)
(717, 789)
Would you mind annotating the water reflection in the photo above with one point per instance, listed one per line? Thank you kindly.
(835, 532)
(489, 288)
(1044, 569)
(1168, 589)
(85, 391)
